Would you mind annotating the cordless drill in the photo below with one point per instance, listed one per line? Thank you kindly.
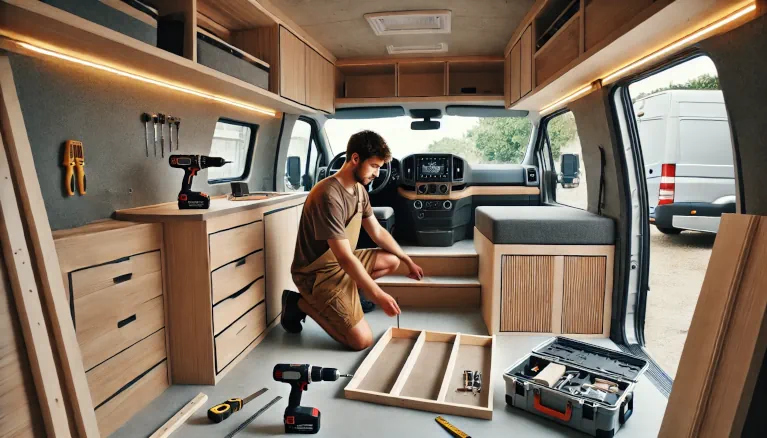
(302, 419)
(192, 164)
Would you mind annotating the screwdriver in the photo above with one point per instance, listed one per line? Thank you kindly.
(146, 118)
(224, 410)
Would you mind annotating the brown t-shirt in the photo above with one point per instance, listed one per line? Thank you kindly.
(327, 211)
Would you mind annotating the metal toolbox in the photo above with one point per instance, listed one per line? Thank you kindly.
(592, 411)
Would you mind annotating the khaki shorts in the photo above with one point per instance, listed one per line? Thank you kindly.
(336, 298)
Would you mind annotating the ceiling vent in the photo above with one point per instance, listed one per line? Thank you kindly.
(429, 48)
(409, 22)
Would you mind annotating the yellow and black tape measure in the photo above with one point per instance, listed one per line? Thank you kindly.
(222, 411)
(456, 432)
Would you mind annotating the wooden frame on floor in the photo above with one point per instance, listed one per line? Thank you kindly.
(400, 371)
(572, 275)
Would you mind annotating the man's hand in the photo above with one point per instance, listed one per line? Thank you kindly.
(416, 272)
(387, 303)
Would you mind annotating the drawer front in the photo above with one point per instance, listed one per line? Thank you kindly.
(106, 379)
(114, 413)
(229, 245)
(239, 335)
(227, 311)
(113, 319)
(90, 280)
(236, 275)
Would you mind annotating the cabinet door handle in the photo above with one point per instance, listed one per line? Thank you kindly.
(122, 278)
(126, 321)
(243, 328)
(241, 261)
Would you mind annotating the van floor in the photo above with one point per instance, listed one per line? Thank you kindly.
(350, 418)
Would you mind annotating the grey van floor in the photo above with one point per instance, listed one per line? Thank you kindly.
(349, 418)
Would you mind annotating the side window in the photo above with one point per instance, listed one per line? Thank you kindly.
(235, 142)
(565, 147)
(302, 160)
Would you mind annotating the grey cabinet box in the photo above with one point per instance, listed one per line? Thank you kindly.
(229, 60)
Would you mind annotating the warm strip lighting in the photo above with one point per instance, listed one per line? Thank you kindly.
(684, 41)
(267, 111)
(569, 98)
(660, 53)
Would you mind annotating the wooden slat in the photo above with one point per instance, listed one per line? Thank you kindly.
(409, 364)
(24, 180)
(370, 359)
(383, 374)
(584, 295)
(527, 293)
(181, 416)
(449, 367)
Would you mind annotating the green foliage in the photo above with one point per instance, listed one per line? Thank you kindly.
(702, 82)
(562, 130)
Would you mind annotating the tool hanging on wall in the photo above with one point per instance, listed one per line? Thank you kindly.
(161, 117)
(224, 410)
(80, 166)
(454, 431)
(154, 131)
(69, 168)
(171, 119)
(177, 122)
(146, 118)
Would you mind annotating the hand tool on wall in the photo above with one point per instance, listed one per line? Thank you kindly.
(146, 118)
(454, 431)
(170, 131)
(79, 166)
(154, 131)
(69, 167)
(245, 423)
(177, 122)
(161, 117)
(297, 418)
(224, 410)
(187, 199)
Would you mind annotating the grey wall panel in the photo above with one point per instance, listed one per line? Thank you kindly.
(62, 101)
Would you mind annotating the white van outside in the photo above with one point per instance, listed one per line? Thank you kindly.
(687, 151)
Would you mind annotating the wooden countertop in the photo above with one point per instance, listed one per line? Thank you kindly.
(219, 206)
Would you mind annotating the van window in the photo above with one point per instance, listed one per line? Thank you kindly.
(562, 138)
(303, 154)
(235, 142)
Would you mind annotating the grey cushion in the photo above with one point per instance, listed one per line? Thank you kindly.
(383, 213)
(547, 225)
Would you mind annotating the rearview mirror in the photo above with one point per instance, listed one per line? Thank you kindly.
(570, 171)
(424, 125)
(294, 171)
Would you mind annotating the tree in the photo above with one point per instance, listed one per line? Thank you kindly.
(562, 130)
(702, 82)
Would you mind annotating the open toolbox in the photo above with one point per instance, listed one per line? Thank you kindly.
(595, 394)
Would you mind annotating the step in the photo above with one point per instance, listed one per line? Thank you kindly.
(443, 291)
(460, 259)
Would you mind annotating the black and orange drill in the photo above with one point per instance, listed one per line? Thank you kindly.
(297, 418)
(188, 199)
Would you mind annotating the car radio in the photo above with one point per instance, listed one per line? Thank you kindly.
(433, 168)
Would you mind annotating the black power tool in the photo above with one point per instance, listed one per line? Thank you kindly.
(187, 199)
(297, 418)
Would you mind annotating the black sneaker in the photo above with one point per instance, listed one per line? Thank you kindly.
(367, 305)
(291, 314)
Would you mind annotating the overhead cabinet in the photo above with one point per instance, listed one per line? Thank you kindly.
(305, 76)
(519, 64)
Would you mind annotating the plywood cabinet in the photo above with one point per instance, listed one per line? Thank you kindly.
(320, 81)
(281, 230)
(292, 67)
(520, 73)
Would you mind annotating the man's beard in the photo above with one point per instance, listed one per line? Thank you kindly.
(358, 178)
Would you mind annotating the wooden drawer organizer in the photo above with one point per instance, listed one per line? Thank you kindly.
(551, 289)
(422, 370)
(114, 276)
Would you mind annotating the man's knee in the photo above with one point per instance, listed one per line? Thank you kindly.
(359, 340)
(391, 261)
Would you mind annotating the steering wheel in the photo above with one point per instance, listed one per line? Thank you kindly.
(376, 186)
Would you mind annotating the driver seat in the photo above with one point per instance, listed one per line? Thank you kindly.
(385, 217)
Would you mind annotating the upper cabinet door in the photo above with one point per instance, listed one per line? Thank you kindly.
(515, 65)
(526, 62)
(319, 81)
(292, 67)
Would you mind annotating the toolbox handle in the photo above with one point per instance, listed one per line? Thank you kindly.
(563, 416)
(626, 410)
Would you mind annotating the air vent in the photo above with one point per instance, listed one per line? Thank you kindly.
(458, 169)
(403, 50)
(532, 175)
(409, 22)
(408, 169)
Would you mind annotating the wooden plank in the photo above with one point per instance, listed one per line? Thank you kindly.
(43, 253)
(515, 78)
(726, 343)
(190, 326)
(370, 359)
(438, 296)
(129, 10)
(181, 416)
(292, 67)
(584, 294)
(409, 364)
(440, 266)
(527, 288)
(557, 297)
(220, 31)
(526, 62)
(227, 246)
(345, 102)
(445, 387)
(420, 404)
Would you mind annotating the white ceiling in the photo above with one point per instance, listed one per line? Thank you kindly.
(479, 27)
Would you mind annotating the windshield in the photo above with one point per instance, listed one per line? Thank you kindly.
(478, 140)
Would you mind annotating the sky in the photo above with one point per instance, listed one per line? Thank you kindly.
(676, 75)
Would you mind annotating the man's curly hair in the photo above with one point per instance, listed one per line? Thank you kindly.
(368, 144)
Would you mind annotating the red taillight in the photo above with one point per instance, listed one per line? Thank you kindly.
(667, 184)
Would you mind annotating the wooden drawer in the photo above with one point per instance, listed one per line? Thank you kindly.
(236, 275)
(229, 245)
(227, 311)
(106, 379)
(90, 280)
(124, 405)
(239, 335)
(112, 319)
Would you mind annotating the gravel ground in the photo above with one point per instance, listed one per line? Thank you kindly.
(677, 268)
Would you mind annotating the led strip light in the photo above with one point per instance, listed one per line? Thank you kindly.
(653, 56)
(258, 109)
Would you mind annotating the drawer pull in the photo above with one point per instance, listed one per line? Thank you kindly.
(126, 321)
(122, 278)
(243, 328)
(241, 261)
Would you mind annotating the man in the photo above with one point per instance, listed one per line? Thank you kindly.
(326, 267)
